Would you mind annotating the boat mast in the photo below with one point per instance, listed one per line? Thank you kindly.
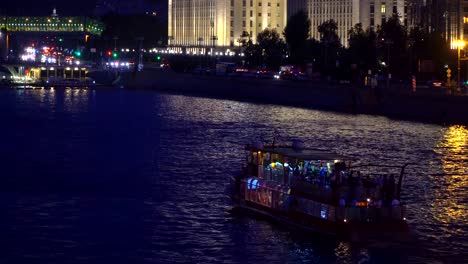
(400, 180)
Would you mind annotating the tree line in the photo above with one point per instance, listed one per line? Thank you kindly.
(390, 49)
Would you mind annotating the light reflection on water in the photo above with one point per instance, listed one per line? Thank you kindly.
(136, 176)
(449, 194)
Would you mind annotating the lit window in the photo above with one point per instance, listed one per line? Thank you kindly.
(382, 9)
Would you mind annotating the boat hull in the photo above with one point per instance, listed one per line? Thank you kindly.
(351, 231)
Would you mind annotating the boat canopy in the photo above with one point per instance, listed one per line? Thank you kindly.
(306, 154)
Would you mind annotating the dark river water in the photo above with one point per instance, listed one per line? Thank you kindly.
(122, 176)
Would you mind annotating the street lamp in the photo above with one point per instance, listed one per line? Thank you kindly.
(115, 42)
(459, 44)
(388, 42)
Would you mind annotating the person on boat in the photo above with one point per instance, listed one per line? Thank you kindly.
(336, 177)
(359, 192)
(333, 181)
(322, 176)
(391, 185)
(267, 159)
(395, 202)
(298, 170)
(342, 202)
(389, 189)
(384, 190)
(379, 181)
(355, 186)
(379, 203)
(306, 168)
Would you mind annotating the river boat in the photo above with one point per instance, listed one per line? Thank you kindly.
(322, 192)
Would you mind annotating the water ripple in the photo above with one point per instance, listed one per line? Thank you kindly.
(135, 176)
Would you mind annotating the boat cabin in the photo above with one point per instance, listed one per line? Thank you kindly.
(319, 183)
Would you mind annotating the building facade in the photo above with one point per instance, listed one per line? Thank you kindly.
(347, 13)
(449, 18)
(295, 6)
(464, 24)
(222, 23)
(456, 18)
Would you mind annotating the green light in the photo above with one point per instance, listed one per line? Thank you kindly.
(60, 39)
(78, 53)
(114, 54)
(158, 58)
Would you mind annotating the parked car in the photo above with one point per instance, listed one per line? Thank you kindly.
(435, 83)
(266, 74)
(203, 71)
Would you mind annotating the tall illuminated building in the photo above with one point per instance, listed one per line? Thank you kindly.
(454, 18)
(347, 13)
(449, 18)
(221, 23)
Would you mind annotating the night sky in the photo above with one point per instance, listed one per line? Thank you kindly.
(44, 7)
(65, 8)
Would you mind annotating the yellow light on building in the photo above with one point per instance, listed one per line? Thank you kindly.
(459, 43)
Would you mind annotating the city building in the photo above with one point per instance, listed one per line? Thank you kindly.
(222, 23)
(454, 17)
(295, 6)
(35, 29)
(464, 9)
(52, 23)
(427, 14)
(449, 18)
(347, 13)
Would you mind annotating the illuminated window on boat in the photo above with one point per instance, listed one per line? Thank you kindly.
(252, 184)
(249, 183)
(323, 213)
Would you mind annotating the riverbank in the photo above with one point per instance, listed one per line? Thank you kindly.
(397, 102)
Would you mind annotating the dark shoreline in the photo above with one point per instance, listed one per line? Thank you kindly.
(397, 103)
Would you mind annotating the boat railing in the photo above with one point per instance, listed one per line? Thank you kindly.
(400, 178)
(361, 214)
(370, 214)
(333, 194)
(314, 192)
(272, 195)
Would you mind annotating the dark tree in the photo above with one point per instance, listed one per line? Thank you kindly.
(297, 33)
(362, 47)
(392, 40)
(253, 55)
(272, 48)
(268, 52)
(331, 44)
(244, 38)
(429, 49)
